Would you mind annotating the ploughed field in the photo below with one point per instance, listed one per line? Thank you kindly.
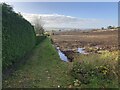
(105, 40)
(96, 65)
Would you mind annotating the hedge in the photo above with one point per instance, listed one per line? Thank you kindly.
(18, 36)
(39, 39)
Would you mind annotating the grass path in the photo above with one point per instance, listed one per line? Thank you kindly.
(44, 69)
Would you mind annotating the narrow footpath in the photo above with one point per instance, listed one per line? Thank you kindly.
(44, 69)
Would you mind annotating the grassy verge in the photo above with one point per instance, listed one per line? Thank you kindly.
(96, 70)
(43, 69)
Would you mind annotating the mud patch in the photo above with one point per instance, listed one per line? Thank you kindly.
(70, 54)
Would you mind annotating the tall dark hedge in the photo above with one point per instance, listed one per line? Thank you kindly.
(18, 36)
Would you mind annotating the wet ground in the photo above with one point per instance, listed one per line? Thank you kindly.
(68, 55)
(71, 43)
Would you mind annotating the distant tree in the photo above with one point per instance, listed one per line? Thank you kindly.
(111, 27)
(59, 29)
(102, 28)
(38, 25)
(53, 32)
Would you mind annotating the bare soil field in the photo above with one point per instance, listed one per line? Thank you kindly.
(105, 40)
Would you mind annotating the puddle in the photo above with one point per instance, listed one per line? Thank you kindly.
(81, 50)
(62, 55)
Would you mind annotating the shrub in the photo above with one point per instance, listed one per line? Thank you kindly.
(80, 72)
(101, 70)
(18, 36)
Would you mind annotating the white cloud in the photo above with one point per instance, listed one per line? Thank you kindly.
(59, 21)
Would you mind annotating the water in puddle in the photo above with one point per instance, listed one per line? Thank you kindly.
(62, 55)
(81, 50)
(64, 58)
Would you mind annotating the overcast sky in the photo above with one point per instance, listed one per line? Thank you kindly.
(70, 14)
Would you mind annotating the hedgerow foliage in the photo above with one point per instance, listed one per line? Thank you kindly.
(18, 36)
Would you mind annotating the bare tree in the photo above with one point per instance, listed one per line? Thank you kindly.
(38, 25)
